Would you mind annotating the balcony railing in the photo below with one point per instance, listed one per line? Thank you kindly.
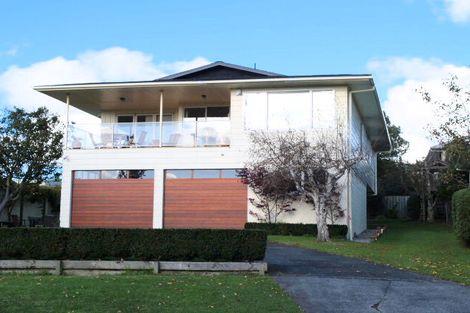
(149, 134)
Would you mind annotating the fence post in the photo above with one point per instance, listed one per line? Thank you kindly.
(58, 268)
(156, 267)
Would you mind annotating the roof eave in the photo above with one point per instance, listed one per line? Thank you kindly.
(143, 84)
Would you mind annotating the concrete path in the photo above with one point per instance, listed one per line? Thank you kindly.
(321, 282)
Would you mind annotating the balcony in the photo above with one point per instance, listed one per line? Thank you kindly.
(207, 133)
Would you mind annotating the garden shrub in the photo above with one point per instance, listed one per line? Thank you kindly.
(132, 244)
(461, 211)
(391, 213)
(286, 229)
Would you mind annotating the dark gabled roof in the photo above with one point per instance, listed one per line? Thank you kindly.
(219, 71)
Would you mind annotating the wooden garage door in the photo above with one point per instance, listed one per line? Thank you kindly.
(205, 203)
(120, 203)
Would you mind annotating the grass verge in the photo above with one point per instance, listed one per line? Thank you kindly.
(142, 293)
(425, 248)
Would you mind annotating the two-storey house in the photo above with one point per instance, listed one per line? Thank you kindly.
(165, 152)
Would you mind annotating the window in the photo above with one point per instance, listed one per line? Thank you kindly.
(230, 174)
(256, 110)
(218, 111)
(144, 118)
(110, 174)
(324, 109)
(290, 109)
(140, 174)
(125, 118)
(204, 113)
(114, 174)
(195, 113)
(206, 174)
(166, 117)
(173, 174)
(201, 173)
(86, 174)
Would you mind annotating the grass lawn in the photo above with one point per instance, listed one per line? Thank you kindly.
(429, 249)
(142, 293)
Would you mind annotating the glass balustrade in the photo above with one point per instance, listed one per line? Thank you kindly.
(149, 134)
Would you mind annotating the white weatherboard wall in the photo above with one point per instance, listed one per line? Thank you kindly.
(159, 159)
(366, 169)
(363, 175)
(358, 206)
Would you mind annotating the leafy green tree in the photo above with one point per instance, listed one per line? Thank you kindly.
(391, 171)
(453, 121)
(30, 146)
(399, 144)
(452, 130)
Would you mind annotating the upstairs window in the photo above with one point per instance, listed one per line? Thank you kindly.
(206, 113)
(289, 110)
(304, 109)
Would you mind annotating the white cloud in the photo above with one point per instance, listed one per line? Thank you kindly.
(404, 105)
(12, 51)
(112, 64)
(458, 10)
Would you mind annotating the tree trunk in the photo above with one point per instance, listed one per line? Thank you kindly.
(430, 215)
(21, 208)
(322, 224)
(4, 201)
(422, 205)
(430, 204)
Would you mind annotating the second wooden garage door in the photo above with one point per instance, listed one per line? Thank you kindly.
(205, 203)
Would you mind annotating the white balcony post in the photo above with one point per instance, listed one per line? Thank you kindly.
(67, 100)
(161, 117)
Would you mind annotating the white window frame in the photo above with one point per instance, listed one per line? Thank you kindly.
(155, 116)
(205, 109)
(293, 90)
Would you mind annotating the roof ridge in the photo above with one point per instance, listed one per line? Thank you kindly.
(214, 64)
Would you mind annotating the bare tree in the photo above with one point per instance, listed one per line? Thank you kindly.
(273, 190)
(316, 161)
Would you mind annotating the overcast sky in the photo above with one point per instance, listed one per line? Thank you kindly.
(405, 44)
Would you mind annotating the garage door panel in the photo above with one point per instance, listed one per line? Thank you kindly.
(204, 223)
(123, 203)
(205, 203)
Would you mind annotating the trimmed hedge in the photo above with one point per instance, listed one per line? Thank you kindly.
(132, 244)
(285, 229)
(461, 211)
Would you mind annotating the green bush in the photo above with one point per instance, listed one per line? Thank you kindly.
(391, 213)
(132, 244)
(461, 211)
(285, 229)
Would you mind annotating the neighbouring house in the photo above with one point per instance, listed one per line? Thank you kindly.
(33, 211)
(165, 152)
(437, 162)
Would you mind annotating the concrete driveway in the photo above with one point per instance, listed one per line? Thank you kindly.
(321, 282)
